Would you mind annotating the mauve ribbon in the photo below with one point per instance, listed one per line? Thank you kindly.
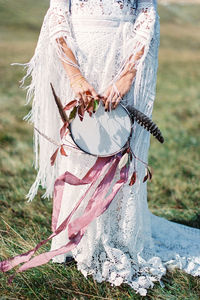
(95, 203)
(98, 168)
(95, 207)
(47, 256)
(91, 177)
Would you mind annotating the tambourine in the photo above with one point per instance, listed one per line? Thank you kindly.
(105, 134)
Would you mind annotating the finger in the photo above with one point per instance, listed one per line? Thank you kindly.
(108, 103)
(103, 98)
(85, 98)
(117, 102)
(79, 97)
(88, 95)
(114, 99)
(94, 93)
(107, 98)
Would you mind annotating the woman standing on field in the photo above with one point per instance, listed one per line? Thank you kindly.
(108, 50)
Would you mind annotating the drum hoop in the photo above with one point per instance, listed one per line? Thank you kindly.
(124, 147)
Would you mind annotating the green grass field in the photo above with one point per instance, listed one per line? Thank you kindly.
(173, 192)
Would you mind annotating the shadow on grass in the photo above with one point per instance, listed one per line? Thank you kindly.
(193, 222)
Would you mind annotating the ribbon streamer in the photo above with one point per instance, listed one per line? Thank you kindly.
(97, 204)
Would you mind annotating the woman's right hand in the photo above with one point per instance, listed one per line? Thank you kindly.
(84, 91)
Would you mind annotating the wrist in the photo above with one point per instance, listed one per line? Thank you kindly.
(72, 76)
(129, 75)
(129, 70)
(77, 81)
(75, 77)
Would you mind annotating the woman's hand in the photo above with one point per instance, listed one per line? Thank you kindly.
(111, 97)
(84, 91)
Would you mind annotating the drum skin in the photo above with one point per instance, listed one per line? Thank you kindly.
(104, 133)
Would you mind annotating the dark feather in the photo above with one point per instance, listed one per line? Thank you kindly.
(60, 106)
(146, 122)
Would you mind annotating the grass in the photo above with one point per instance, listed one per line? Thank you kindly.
(173, 193)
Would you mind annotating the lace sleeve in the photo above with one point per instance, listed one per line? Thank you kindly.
(59, 29)
(143, 29)
(58, 19)
(140, 36)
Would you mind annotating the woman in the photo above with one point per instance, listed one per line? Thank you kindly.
(105, 50)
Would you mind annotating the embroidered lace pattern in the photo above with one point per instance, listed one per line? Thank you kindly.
(97, 7)
(103, 7)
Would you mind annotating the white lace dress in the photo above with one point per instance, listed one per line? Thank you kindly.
(127, 244)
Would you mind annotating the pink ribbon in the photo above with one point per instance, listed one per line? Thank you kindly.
(97, 204)
(92, 175)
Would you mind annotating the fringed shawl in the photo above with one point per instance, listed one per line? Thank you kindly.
(46, 66)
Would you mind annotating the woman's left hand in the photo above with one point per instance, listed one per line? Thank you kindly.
(112, 97)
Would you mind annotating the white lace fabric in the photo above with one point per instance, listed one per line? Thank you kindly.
(127, 244)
